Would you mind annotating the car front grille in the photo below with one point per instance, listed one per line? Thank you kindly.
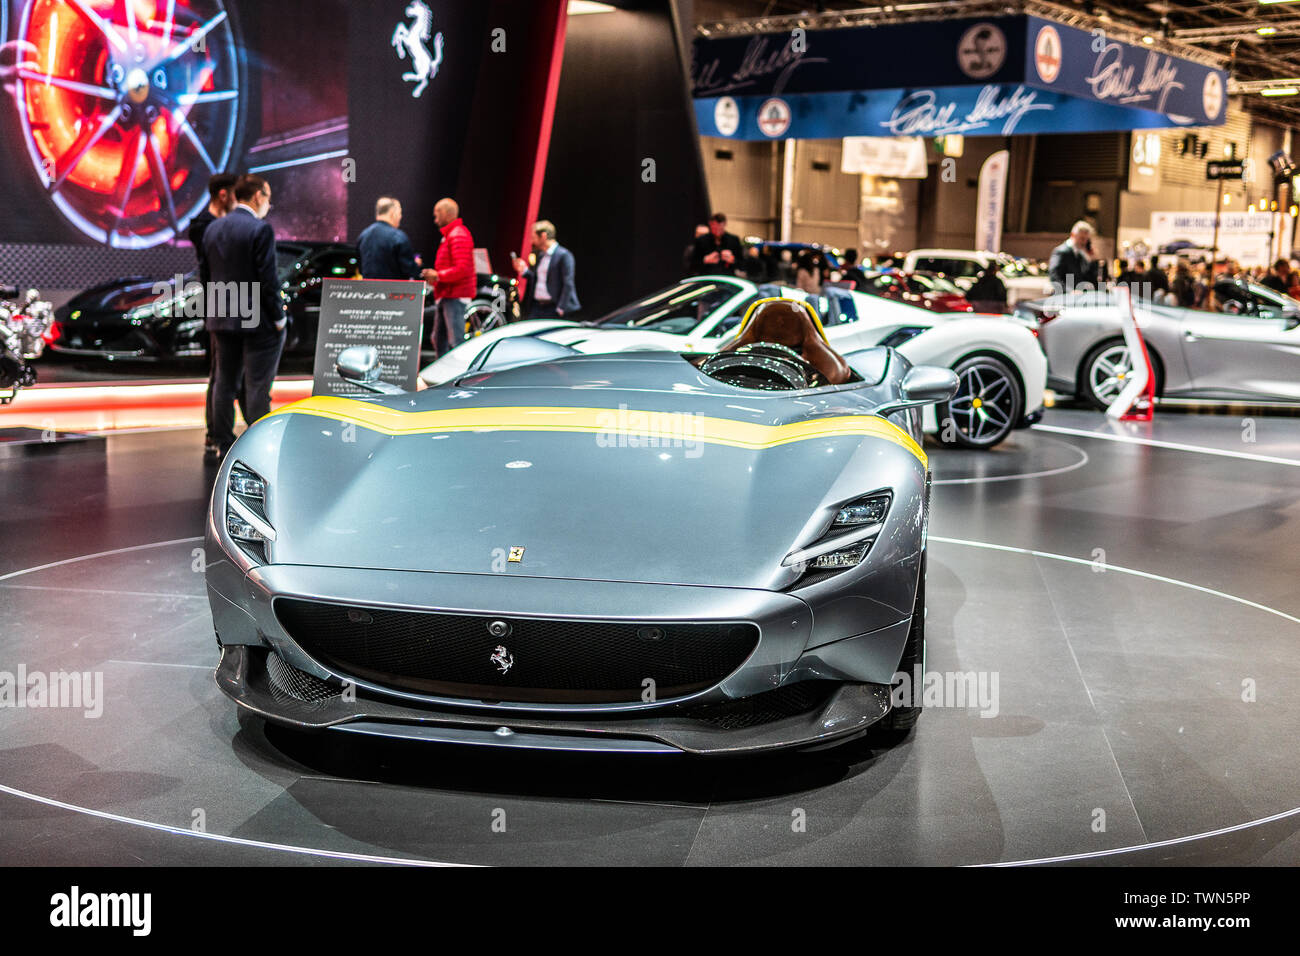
(549, 660)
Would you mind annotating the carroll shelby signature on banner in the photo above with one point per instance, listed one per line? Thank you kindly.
(762, 58)
(1111, 79)
(920, 113)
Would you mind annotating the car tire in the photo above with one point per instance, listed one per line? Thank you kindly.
(989, 403)
(1093, 385)
(898, 723)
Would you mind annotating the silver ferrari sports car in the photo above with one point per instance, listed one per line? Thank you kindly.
(1245, 349)
(643, 552)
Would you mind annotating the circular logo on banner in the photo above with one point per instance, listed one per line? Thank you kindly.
(726, 116)
(1047, 54)
(774, 117)
(1212, 95)
(981, 51)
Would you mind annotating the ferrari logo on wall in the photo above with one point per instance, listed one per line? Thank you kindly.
(410, 39)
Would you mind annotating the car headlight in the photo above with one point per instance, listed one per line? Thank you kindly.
(870, 510)
(848, 541)
(246, 512)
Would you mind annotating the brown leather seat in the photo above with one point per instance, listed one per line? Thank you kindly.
(789, 323)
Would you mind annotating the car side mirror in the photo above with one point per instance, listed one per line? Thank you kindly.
(1292, 321)
(929, 384)
(923, 385)
(360, 366)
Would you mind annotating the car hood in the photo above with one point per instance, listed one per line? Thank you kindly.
(717, 490)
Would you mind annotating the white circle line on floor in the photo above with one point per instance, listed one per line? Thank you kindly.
(1172, 445)
(1137, 848)
(1172, 841)
(220, 838)
(98, 554)
(403, 861)
(1029, 474)
(1114, 567)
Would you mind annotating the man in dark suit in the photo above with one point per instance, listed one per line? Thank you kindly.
(717, 252)
(221, 199)
(551, 293)
(245, 311)
(1074, 262)
(385, 249)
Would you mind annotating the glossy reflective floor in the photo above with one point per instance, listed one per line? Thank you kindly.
(1133, 591)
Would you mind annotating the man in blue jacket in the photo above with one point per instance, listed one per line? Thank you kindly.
(385, 249)
(245, 312)
(551, 293)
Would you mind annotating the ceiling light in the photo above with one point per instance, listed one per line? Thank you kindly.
(1266, 31)
(1148, 39)
(1280, 91)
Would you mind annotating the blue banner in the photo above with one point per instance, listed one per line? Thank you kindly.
(1005, 75)
(940, 53)
(1093, 66)
(993, 110)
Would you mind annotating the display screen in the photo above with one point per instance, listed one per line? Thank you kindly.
(116, 112)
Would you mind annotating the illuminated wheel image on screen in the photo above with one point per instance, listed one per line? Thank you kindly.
(126, 108)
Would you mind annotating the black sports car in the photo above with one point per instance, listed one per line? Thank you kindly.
(144, 319)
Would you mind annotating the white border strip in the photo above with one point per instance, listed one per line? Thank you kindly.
(1175, 446)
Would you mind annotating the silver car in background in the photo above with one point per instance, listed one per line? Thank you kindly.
(1246, 349)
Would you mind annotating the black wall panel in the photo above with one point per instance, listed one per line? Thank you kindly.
(623, 99)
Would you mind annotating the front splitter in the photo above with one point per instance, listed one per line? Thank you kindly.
(849, 711)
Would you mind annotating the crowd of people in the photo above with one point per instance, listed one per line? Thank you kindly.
(235, 248)
(1074, 265)
(1188, 285)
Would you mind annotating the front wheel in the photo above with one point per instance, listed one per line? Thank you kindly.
(988, 404)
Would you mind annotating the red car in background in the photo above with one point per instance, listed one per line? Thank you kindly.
(917, 288)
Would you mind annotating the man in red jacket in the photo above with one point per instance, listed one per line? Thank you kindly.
(453, 277)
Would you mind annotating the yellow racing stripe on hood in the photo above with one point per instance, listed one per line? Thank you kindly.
(662, 426)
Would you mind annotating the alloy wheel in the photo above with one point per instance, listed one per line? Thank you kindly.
(127, 109)
(987, 404)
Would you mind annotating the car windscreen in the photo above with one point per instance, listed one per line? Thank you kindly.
(676, 310)
(927, 283)
(1266, 302)
(949, 267)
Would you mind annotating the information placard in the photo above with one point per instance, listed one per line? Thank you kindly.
(387, 314)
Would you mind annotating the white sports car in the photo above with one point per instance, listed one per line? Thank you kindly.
(1001, 366)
